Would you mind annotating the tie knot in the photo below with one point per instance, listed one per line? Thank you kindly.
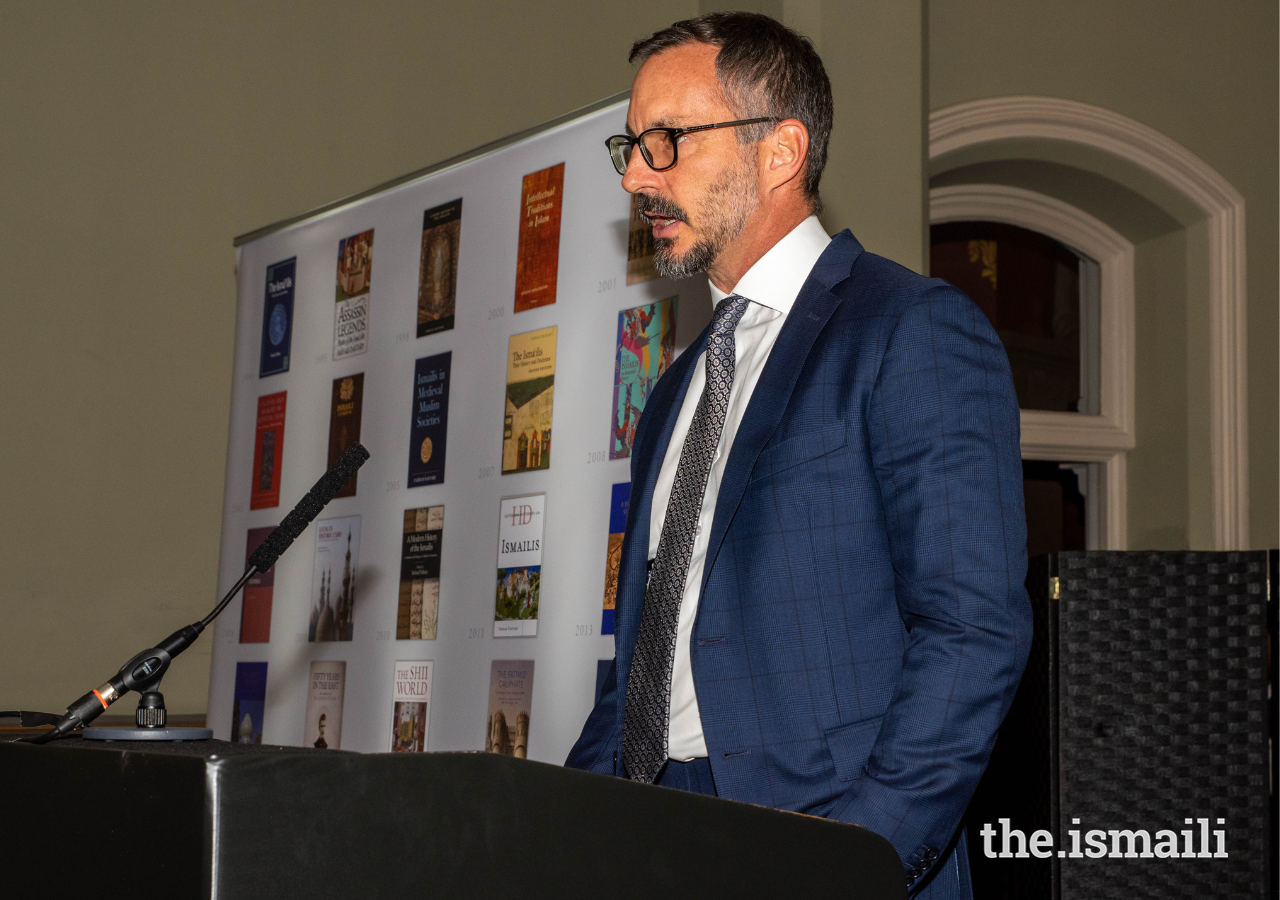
(727, 314)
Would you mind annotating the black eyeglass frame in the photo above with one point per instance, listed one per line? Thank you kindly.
(621, 160)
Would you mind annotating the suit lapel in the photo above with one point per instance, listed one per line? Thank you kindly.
(808, 316)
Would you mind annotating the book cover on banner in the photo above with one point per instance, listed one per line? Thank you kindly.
(430, 420)
(531, 376)
(255, 605)
(619, 500)
(248, 703)
(419, 607)
(351, 312)
(510, 693)
(345, 408)
(333, 579)
(646, 344)
(326, 684)
(411, 706)
(538, 255)
(519, 580)
(268, 452)
(639, 246)
(438, 268)
(277, 318)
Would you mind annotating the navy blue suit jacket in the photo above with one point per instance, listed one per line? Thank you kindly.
(863, 623)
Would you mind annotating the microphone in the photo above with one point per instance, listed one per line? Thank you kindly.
(142, 673)
(308, 508)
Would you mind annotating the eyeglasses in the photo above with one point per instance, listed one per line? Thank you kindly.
(658, 145)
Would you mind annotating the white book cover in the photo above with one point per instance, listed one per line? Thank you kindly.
(333, 580)
(351, 327)
(326, 685)
(411, 710)
(351, 312)
(519, 580)
(510, 699)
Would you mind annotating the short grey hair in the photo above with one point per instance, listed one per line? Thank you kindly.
(765, 69)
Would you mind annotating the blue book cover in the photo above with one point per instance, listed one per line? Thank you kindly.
(618, 503)
(277, 318)
(249, 703)
(430, 419)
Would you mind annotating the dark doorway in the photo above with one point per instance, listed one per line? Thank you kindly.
(1029, 286)
(1017, 774)
(1055, 507)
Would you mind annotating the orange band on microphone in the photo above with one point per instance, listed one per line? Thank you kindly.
(100, 700)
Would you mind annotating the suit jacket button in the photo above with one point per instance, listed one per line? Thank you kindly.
(930, 854)
(916, 873)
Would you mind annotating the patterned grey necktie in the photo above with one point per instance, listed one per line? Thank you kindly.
(648, 703)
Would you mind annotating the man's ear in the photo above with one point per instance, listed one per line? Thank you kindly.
(783, 154)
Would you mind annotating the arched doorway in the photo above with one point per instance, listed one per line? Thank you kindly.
(1116, 150)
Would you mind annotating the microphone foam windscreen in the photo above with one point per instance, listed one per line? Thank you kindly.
(308, 507)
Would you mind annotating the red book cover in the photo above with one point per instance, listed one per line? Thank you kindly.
(344, 422)
(538, 256)
(255, 609)
(268, 451)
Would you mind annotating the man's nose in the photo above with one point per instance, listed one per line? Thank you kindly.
(639, 175)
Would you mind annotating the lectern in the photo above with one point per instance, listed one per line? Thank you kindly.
(220, 820)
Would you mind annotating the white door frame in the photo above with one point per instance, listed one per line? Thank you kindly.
(1004, 118)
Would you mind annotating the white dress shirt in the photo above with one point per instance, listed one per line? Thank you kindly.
(772, 285)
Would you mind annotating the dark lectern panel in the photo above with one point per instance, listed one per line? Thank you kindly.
(483, 825)
(72, 806)
(252, 823)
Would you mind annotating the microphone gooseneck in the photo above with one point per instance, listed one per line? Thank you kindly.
(144, 671)
(308, 507)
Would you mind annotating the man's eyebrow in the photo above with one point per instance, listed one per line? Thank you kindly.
(660, 123)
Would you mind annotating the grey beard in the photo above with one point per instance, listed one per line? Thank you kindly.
(726, 207)
(669, 265)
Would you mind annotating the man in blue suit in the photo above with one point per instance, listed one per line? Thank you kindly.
(820, 601)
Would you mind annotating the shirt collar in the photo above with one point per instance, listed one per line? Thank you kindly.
(776, 278)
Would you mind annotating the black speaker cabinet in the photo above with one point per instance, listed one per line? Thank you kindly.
(1140, 730)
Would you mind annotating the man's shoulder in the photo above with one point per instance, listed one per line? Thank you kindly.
(880, 298)
(889, 286)
(873, 270)
(874, 283)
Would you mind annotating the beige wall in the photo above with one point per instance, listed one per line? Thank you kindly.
(139, 139)
(1206, 76)
(876, 181)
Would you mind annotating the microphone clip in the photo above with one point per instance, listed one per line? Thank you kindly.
(143, 672)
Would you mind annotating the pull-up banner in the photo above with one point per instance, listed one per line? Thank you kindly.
(490, 329)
